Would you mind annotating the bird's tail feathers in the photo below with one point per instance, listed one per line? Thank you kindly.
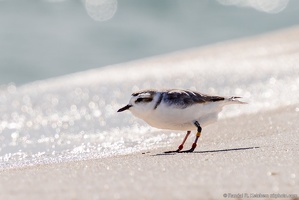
(235, 100)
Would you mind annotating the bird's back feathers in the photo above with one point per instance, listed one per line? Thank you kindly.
(186, 98)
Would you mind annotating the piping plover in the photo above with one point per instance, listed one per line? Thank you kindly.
(177, 109)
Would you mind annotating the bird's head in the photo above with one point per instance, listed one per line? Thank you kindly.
(141, 102)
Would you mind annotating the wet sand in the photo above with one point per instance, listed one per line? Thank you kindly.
(253, 154)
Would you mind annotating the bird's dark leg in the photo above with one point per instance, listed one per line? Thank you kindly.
(196, 138)
(181, 145)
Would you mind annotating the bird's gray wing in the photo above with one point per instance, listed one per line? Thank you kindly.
(185, 98)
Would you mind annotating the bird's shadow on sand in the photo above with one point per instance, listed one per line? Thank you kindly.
(210, 151)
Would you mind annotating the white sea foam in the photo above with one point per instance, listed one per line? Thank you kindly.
(74, 117)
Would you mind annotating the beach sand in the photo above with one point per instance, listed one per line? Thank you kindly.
(252, 154)
(255, 154)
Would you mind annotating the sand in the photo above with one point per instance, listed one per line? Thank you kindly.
(252, 155)
(255, 154)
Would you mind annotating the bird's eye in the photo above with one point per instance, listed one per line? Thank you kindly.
(143, 100)
(138, 100)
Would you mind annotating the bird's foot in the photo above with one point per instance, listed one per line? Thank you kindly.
(190, 150)
(176, 151)
(187, 151)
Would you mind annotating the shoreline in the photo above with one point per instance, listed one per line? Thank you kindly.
(225, 162)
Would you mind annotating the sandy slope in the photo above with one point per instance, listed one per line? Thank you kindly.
(254, 154)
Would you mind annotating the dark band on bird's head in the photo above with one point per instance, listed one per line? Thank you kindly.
(151, 92)
(144, 100)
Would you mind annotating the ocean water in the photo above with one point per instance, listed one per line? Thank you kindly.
(40, 39)
(74, 117)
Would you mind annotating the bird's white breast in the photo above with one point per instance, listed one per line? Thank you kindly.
(175, 118)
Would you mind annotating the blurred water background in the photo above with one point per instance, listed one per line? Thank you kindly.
(40, 39)
(74, 117)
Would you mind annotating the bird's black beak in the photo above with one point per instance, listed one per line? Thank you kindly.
(124, 108)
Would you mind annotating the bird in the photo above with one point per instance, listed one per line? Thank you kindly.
(178, 109)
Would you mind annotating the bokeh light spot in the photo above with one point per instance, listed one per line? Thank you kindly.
(101, 10)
